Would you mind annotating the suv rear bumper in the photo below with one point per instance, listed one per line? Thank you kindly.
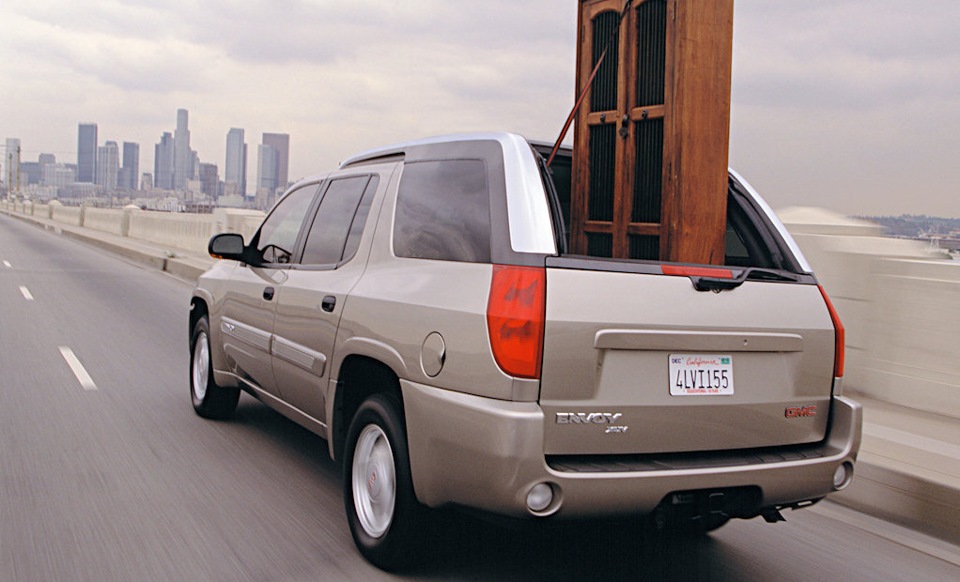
(488, 454)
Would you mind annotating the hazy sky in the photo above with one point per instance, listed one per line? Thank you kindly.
(853, 105)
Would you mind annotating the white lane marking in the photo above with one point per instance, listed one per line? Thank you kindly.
(78, 370)
(7, 264)
(26, 294)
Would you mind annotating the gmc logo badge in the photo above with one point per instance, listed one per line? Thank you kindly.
(800, 412)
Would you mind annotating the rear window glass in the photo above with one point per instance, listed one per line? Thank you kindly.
(746, 244)
(443, 211)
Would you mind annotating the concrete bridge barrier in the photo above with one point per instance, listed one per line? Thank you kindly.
(913, 337)
(190, 232)
(104, 219)
(243, 222)
(66, 214)
(899, 302)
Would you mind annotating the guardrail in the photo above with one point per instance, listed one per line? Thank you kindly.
(900, 302)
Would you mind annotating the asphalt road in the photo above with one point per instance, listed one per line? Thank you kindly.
(107, 474)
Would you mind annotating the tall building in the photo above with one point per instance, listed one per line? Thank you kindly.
(108, 165)
(130, 171)
(209, 179)
(59, 176)
(281, 143)
(194, 165)
(267, 160)
(163, 163)
(183, 157)
(30, 173)
(11, 165)
(87, 153)
(47, 159)
(235, 170)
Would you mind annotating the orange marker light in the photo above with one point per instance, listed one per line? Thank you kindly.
(839, 349)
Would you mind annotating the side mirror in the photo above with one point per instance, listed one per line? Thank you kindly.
(226, 245)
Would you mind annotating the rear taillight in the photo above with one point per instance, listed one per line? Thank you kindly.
(515, 316)
(839, 337)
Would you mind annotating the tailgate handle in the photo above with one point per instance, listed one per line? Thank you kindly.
(715, 284)
(718, 284)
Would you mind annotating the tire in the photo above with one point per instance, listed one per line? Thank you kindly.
(209, 399)
(386, 520)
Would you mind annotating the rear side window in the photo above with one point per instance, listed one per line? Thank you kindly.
(443, 211)
(746, 246)
(335, 233)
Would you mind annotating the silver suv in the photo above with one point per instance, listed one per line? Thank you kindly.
(418, 309)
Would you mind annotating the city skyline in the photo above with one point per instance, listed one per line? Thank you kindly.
(171, 154)
(175, 163)
(848, 104)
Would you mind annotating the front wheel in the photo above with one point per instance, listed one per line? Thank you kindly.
(209, 399)
(383, 512)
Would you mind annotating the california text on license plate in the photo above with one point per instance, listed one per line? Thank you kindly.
(701, 374)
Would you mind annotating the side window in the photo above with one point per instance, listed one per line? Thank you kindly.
(745, 245)
(278, 235)
(736, 252)
(443, 211)
(335, 233)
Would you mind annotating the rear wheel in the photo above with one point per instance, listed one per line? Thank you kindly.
(383, 512)
(209, 399)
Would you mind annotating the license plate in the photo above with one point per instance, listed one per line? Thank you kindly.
(701, 375)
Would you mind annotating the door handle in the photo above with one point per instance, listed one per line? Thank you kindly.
(329, 302)
(268, 293)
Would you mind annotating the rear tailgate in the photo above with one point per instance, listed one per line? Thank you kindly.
(643, 363)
